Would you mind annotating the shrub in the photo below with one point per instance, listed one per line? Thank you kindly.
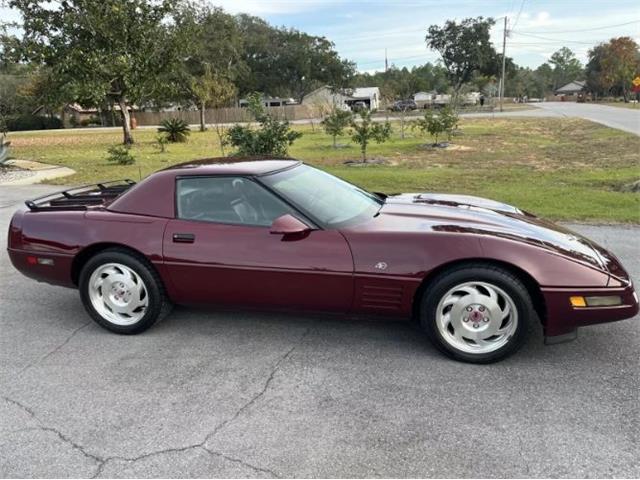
(364, 131)
(161, 142)
(16, 123)
(175, 129)
(436, 124)
(272, 137)
(336, 122)
(121, 155)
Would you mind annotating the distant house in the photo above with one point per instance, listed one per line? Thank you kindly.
(269, 102)
(423, 99)
(575, 88)
(369, 96)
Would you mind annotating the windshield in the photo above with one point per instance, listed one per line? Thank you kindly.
(329, 200)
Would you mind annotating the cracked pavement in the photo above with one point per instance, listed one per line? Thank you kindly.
(210, 393)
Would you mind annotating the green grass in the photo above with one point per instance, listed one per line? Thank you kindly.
(562, 169)
(634, 106)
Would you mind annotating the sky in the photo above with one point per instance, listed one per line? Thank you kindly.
(363, 29)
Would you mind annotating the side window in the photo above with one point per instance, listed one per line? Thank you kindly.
(234, 200)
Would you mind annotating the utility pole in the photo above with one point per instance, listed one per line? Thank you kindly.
(386, 62)
(504, 58)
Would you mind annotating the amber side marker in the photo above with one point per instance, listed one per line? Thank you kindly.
(599, 301)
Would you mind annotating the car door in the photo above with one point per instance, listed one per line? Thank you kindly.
(219, 249)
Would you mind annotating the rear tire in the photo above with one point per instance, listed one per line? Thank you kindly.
(476, 313)
(122, 292)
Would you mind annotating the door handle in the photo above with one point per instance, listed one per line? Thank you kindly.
(184, 238)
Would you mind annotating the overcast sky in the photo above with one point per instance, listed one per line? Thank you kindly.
(362, 29)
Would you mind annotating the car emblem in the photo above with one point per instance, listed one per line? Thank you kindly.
(381, 266)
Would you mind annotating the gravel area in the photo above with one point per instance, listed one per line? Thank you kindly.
(10, 174)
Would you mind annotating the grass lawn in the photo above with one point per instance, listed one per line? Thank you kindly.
(634, 106)
(563, 169)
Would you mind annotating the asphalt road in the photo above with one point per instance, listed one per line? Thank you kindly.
(626, 119)
(236, 394)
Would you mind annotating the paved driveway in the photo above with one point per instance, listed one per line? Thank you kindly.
(615, 117)
(229, 394)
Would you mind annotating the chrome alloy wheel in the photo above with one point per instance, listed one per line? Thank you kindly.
(118, 294)
(476, 317)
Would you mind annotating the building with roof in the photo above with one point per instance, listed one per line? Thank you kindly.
(362, 96)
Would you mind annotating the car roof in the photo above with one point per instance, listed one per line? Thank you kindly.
(233, 166)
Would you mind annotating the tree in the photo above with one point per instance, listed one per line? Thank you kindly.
(336, 122)
(465, 48)
(212, 50)
(597, 83)
(272, 137)
(364, 131)
(281, 62)
(211, 90)
(566, 67)
(619, 63)
(114, 50)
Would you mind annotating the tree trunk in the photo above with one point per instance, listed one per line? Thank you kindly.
(335, 145)
(364, 152)
(126, 122)
(203, 124)
(402, 123)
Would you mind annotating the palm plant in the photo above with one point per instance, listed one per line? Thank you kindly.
(175, 129)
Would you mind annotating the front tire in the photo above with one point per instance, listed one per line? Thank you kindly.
(122, 292)
(476, 313)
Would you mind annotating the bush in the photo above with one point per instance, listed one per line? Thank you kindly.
(175, 129)
(161, 142)
(17, 123)
(436, 124)
(121, 155)
(273, 137)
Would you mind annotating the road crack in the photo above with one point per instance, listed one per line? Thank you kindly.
(55, 350)
(44, 428)
(202, 445)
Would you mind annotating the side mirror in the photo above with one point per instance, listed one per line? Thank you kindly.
(288, 225)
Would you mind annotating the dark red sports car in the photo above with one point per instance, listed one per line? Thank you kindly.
(473, 273)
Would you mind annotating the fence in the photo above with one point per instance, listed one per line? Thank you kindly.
(223, 115)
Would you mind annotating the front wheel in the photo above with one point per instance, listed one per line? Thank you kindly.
(122, 292)
(476, 313)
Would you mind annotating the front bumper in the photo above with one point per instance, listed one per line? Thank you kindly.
(563, 319)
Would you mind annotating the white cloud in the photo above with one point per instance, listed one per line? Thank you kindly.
(273, 7)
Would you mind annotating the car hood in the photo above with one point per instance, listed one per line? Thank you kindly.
(420, 212)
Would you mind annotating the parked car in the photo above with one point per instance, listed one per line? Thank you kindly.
(404, 106)
(473, 273)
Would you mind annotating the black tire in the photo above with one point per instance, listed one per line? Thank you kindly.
(159, 306)
(476, 272)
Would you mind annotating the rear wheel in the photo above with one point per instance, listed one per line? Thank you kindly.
(476, 313)
(122, 292)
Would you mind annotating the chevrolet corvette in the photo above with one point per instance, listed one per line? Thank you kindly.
(473, 273)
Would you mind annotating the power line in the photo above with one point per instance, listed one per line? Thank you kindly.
(519, 13)
(583, 29)
(551, 39)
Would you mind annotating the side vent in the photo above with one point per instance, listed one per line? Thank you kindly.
(381, 298)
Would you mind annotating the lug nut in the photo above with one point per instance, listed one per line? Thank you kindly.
(465, 319)
(481, 308)
(485, 319)
(476, 325)
(469, 309)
